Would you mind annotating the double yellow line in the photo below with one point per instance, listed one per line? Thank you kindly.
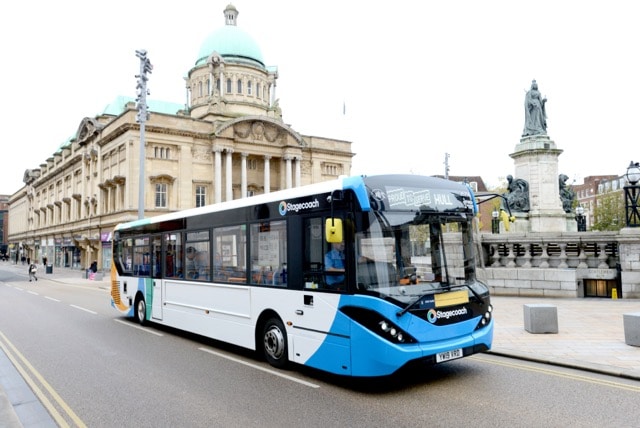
(37, 383)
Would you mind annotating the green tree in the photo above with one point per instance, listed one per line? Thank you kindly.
(609, 212)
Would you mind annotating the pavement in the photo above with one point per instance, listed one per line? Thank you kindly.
(590, 337)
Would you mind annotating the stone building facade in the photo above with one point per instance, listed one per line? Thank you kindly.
(228, 141)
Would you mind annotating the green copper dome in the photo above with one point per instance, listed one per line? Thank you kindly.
(231, 43)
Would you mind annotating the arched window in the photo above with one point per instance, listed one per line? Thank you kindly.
(249, 87)
(239, 86)
(200, 89)
(258, 90)
(228, 86)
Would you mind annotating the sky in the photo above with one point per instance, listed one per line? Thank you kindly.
(408, 83)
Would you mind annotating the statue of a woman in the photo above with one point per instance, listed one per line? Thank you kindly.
(535, 115)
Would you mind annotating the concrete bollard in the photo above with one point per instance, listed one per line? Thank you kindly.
(540, 318)
(631, 328)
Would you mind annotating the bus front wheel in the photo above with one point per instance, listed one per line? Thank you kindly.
(275, 343)
(140, 311)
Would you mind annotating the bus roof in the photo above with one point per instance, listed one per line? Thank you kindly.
(360, 185)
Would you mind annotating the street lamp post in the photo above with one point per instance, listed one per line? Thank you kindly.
(495, 222)
(142, 116)
(631, 195)
(581, 219)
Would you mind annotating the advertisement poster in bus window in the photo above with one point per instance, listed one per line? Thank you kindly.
(268, 248)
(226, 253)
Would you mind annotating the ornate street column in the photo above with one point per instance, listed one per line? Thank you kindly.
(267, 174)
(228, 170)
(243, 168)
(217, 174)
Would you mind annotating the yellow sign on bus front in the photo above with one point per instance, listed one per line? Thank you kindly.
(451, 298)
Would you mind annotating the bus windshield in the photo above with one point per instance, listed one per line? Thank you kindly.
(402, 255)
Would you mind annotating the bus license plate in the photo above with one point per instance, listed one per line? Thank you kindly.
(449, 355)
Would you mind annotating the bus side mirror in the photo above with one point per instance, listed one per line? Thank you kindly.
(333, 230)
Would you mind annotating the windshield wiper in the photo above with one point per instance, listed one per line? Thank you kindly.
(411, 305)
(475, 293)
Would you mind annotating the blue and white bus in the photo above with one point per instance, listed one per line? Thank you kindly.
(255, 272)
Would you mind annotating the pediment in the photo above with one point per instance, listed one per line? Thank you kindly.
(258, 128)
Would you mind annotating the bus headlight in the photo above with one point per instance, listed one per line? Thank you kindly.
(486, 318)
(391, 332)
(378, 324)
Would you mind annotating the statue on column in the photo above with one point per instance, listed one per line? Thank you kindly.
(517, 194)
(535, 114)
(567, 195)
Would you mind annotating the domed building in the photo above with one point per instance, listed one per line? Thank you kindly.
(226, 141)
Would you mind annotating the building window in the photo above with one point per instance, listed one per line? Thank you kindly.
(228, 86)
(201, 196)
(161, 153)
(249, 88)
(258, 90)
(332, 169)
(161, 195)
(239, 86)
(208, 87)
(252, 164)
(200, 89)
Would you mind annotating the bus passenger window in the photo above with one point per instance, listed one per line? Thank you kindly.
(269, 253)
(198, 253)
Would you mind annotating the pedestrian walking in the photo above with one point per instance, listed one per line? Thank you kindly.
(33, 270)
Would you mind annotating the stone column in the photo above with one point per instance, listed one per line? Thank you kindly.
(287, 171)
(267, 174)
(217, 174)
(243, 169)
(298, 175)
(229, 177)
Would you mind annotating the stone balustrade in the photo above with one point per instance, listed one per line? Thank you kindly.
(558, 264)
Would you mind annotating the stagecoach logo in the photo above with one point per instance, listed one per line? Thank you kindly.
(285, 207)
(434, 315)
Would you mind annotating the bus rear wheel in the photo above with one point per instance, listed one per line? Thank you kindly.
(274, 338)
(140, 311)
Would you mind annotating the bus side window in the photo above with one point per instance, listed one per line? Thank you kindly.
(269, 253)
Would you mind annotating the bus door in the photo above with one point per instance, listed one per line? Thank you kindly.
(156, 277)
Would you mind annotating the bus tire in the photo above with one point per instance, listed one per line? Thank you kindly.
(274, 343)
(140, 310)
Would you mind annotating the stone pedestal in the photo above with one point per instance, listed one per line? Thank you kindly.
(536, 160)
